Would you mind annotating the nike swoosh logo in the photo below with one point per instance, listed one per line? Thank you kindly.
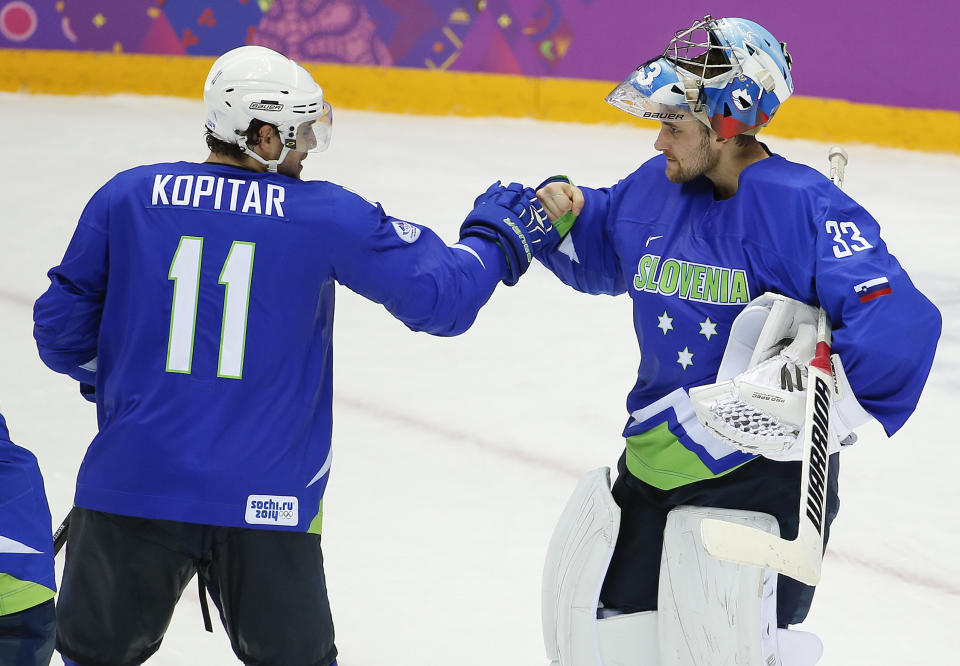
(651, 238)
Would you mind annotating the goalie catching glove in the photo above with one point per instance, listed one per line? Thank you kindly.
(760, 410)
(513, 217)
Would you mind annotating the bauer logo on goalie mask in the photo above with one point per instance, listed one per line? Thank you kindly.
(657, 115)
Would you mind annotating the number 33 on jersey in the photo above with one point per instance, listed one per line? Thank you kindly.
(846, 238)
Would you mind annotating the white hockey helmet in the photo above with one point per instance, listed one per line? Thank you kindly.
(256, 82)
(730, 74)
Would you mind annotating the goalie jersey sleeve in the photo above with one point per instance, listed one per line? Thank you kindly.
(823, 248)
(884, 329)
(690, 264)
(26, 540)
(587, 259)
(198, 299)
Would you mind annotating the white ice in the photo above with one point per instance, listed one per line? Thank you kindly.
(454, 457)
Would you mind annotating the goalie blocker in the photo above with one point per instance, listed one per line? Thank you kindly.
(709, 611)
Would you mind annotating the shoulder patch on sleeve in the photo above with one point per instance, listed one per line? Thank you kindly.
(407, 232)
(871, 289)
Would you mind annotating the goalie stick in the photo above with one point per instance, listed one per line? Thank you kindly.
(802, 557)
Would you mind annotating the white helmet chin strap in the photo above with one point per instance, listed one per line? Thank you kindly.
(270, 164)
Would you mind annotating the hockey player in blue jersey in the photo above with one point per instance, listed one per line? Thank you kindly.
(27, 585)
(722, 246)
(195, 305)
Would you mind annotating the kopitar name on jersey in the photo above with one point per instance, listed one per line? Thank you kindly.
(234, 195)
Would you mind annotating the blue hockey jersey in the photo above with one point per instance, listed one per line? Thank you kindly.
(26, 540)
(198, 299)
(690, 264)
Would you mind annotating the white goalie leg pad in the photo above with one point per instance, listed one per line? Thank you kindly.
(576, 564)
(717, 612)
(630, 639)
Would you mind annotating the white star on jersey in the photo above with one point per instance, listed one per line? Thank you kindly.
(684, 357)
(708, 328)
(567, 248)
(666, 322)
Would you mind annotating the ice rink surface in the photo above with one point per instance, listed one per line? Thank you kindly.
(454, 457)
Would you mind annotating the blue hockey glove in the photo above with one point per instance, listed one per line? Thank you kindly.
(513, 217)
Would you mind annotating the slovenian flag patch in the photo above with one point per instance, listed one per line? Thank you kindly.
(871, 289)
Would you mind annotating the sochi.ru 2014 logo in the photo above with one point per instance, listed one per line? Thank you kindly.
(272, 510)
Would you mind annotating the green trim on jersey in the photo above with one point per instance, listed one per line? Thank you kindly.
(658, 458)
(317, 523)
(564, 223)
(17, 595)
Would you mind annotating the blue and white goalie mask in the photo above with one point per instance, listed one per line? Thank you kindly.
(730, 74)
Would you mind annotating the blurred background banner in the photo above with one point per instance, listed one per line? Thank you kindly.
(856, 50)
(851, 51)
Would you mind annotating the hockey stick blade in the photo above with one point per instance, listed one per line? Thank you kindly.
(747, 545)
(800, 558)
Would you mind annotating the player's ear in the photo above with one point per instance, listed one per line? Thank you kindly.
(264, 132)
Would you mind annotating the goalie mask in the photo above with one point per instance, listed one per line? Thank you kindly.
(256, 82)
(730, 74)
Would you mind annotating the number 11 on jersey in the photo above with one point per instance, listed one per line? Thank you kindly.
(235, 276)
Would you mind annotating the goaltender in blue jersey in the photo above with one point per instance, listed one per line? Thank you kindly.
(705, 237)
(195, 305)
(691, 263)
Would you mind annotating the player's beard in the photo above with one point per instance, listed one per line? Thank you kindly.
(700, 162)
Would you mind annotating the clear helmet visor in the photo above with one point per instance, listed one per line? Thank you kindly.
(311, 135)
(654, 91)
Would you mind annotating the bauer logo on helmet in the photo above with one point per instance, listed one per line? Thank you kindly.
(266, 105)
